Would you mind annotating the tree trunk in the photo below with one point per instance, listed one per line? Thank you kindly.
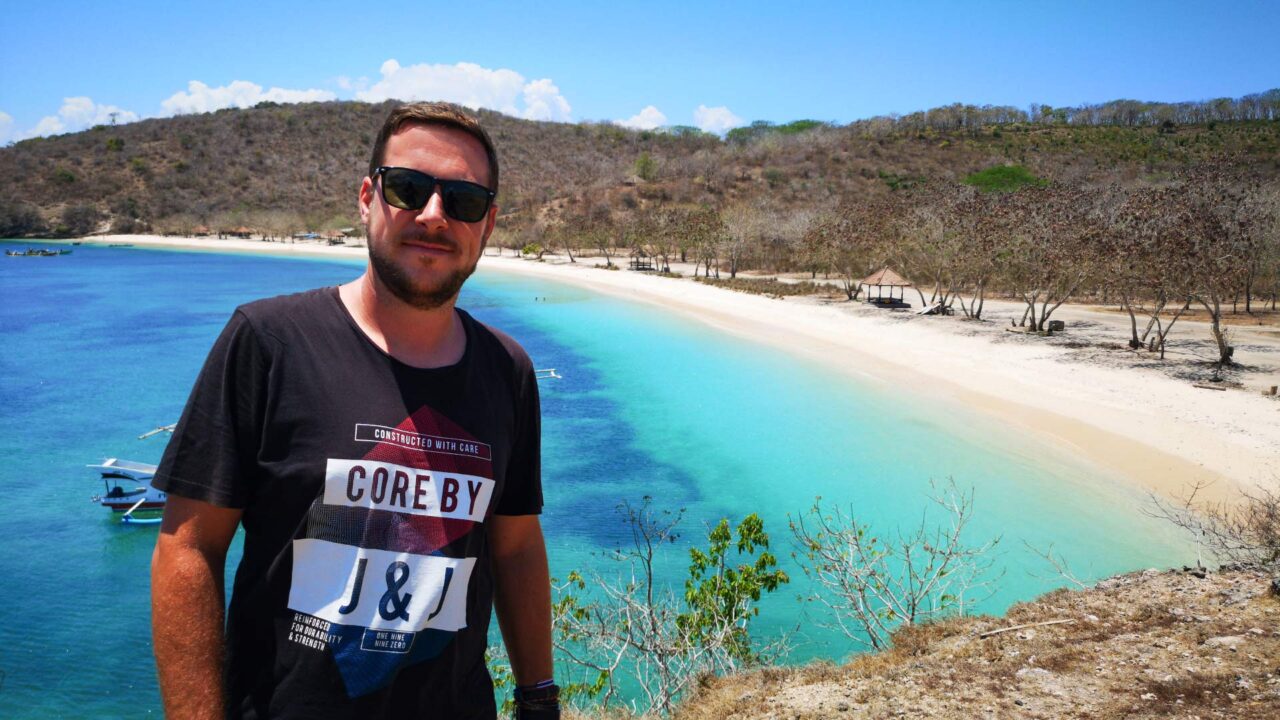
(1164, 333)
(1134, 342)
(1161, 301)
(1225, 351)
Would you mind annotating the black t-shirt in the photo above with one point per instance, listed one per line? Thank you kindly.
(365, 589)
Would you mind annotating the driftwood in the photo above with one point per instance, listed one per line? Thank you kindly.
(989, 633)
(1203, 386)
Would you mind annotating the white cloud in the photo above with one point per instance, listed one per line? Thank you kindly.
(716, 120)
(543, 101)
(78, 113)
(647, 119)
(6, 127)
(200, 98)
(470, 85)
(347, 83)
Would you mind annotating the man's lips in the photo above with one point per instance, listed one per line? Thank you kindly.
(435, 245)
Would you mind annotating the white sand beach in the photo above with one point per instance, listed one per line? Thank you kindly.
(1104, 406)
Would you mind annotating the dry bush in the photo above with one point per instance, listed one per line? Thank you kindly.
(1246, 531)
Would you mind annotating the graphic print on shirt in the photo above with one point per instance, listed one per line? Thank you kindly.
(374, 582)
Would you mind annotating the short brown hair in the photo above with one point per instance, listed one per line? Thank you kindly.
(433, 113)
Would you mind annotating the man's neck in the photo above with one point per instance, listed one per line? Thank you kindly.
(415, 337)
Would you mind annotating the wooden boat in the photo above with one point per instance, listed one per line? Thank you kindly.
(128, 487)
(129, 490)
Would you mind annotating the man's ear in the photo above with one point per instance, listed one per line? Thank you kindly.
(366, 199)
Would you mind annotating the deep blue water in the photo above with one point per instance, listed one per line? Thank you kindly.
(101, 345)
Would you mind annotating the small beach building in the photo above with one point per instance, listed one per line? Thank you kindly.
(881, 279)
(641, 260)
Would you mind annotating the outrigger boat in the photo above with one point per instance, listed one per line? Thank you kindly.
(128, 487)
(129, 490)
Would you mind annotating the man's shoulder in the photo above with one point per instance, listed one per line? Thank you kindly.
(276, 314)
(500, 343)
(286, 304)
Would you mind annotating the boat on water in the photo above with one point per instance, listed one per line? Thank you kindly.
(128, 489)
(36, 252)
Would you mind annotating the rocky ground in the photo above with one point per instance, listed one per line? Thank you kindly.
(1180, 644)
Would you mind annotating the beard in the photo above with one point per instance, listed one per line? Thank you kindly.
(404, 286)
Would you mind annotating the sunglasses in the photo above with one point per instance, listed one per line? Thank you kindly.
(410, 190)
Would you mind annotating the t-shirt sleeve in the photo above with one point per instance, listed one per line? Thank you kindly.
(214, 447)
(523, 492)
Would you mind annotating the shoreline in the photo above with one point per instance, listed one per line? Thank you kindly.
(1158, 432)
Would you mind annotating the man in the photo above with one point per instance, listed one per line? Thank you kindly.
(381, 449)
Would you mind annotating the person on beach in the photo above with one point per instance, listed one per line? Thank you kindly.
(381, 449)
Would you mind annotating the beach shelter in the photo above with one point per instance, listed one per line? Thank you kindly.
(881, 279)
(641, 260)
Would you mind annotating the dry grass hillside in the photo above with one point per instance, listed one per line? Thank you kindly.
(1175, 644)
(284, 168)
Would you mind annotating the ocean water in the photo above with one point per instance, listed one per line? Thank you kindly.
(101, 345)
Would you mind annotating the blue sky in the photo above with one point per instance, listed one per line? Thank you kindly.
(67, 65)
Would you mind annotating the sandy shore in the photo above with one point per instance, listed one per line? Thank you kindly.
(1158, 430)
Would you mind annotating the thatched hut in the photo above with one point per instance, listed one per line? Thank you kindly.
(881, 279)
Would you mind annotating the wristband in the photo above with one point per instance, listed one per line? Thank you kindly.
(538, 702)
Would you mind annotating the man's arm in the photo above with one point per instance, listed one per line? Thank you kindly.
(522, 594)
(187, 601)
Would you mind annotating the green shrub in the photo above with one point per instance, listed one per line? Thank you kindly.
(1004, 178)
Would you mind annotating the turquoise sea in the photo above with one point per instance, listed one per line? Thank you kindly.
(101, 345)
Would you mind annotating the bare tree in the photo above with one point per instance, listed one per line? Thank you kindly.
(1048, 259)
(1245, 531)
(745, 227)
(1222, 227)
(872, 585)
(1144, 250)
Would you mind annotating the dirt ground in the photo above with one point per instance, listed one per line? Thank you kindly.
(1180, 643)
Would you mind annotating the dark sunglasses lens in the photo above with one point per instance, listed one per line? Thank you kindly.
(406, 189)
(465, 201)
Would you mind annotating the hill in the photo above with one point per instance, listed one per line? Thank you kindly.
(288, 168)
(1145, 645)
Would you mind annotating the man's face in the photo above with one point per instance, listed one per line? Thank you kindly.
(424, 256)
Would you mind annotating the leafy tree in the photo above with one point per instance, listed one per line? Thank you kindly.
(631, 624)
(646, 168)
(720, 596)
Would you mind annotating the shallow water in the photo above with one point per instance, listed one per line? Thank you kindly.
(101, 345)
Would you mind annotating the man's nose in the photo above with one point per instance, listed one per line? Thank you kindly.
(432, 215)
